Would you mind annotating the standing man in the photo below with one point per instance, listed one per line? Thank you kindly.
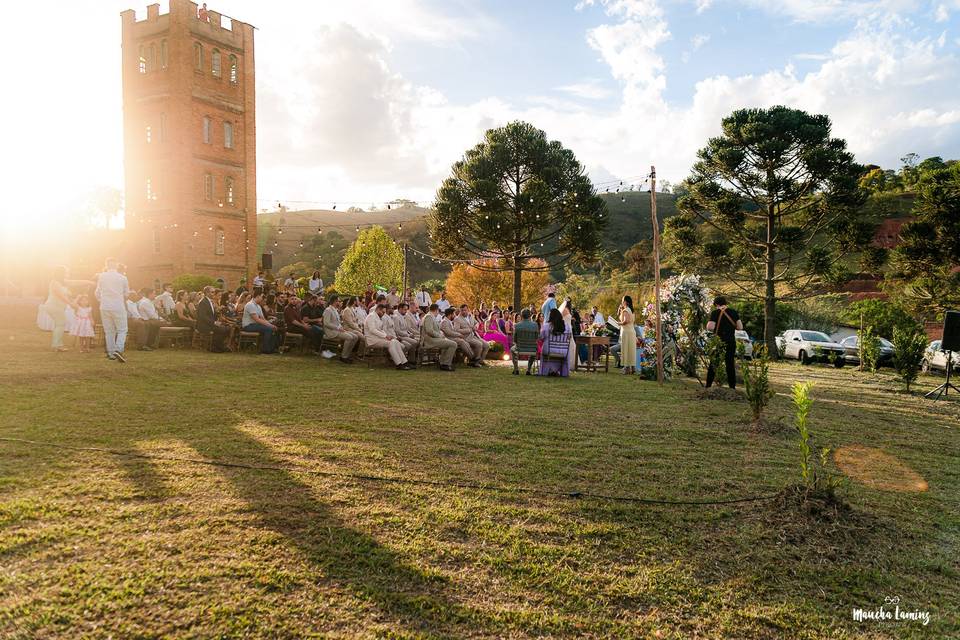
(207, 322)
(334, 330)
(443, 304)
(548, 304)
(112, 291)
(423, 299)
(433, 339)
(598, 320)
(376, 336)
(725, 322)
(254, 321)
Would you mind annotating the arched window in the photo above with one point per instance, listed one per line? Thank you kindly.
(228, 188)
(163, 54)
(141, 60)
(215, 63)
(234, 70)
(207, 186)
(197, 56)
(227, 135)
(152, 59)
(207, 125)
(219, 241)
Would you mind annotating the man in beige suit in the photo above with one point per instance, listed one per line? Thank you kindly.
(410, 339)
(467, 327)
(333, 329)
(450, 332)
(433, 339)
(351, 322)
(377, 336)
(390, 328)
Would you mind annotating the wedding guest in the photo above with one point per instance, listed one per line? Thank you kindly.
(423, 299)
(376, 336)
(494, 329)
(628, 336)
(549, 304)
(443, 304)
(598, 319)
(724, 322)
(315, 285)
(58, 299)
(181, 311)
(406, 333)
(83, 324)
(450, 332)
(392, 299)
(295, 323)
(368, 295)
(112, 290)
(207, 321)
(165, 300)
(525, 324)
(433, 339)
(255, 321)
(333, 329)
(151, 319)
(466, 324)
(556, 336)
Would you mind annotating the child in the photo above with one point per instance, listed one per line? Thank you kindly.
(83, 324)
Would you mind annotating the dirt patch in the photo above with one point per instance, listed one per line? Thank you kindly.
(720, 393)
(769, 425)
(877, 469)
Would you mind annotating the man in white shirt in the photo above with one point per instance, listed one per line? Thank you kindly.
(258, 280)
(112, 290)
(253, 320)
(135, 324)
(423, 299)
(443, 304)
(165, 300)
(147, 310)
(598, 318)
(290, 283)
(375, 336)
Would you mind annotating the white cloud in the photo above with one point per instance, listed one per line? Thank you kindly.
(834, 10)
(591, 89)
(703, 5)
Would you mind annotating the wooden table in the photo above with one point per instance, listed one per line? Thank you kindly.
(594, 341)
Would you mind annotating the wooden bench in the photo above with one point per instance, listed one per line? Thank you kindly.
(291, 340)
(174, 337)
(375, 353)
(248, 339)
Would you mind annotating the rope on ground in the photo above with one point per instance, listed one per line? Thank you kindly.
(400, 480)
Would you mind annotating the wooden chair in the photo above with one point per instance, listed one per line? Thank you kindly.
(329, 344)
(526, 342)
(291, 340)
(249, 339)
(174, 337)
(203, 341)
(426, 355)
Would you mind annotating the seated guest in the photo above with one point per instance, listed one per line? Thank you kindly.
(495, 329)
(390, 328)
(376, 336)
(351, 318)
(293, 318)
(392, 298)
(192, 301)
(207, 321)
(407, 332)
(165, 302)
(450, 332)
(333, 329)
(136, 327)
(148, 313)
(255, 321)
(525, 325)
(556, 336)
(433, 339)
(242, 300)
(181, 312)
(467, 326)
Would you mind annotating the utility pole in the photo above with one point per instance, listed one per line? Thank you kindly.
(403, 287)
(656, 270)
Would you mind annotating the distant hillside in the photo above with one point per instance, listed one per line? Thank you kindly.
(630, 217)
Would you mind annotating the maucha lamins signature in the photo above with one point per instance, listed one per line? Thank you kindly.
(890, 611)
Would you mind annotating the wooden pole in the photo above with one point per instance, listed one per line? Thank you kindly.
(403, 285)
(656, 270)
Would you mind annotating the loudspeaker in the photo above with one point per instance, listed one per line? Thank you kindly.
(951, 331)
(266, 261)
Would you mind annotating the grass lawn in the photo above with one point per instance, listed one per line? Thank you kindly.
(99, 545)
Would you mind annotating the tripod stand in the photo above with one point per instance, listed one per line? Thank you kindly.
(944, 389)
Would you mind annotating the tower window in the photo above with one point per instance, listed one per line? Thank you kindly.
(234, 75)
(198, 56)
(149, 134)
(163, 54)
(141, 60)
(207, 186)
(215, 63)
(152, 59)
(206, 130)
(227, 135)
(228, 187)
(219, 242)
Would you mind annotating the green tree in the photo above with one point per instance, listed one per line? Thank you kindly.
(909, 346)
(515, 197)
(190, 282)
(929, 249)
(774, 206)
(373, 257)
(883, 316)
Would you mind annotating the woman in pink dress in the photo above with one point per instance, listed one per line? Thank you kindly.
(494, 329)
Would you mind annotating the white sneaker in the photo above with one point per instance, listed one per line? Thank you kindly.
(328, 354)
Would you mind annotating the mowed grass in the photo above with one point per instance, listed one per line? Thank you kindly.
(96, 545)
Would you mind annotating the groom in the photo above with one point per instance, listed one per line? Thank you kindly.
(112, 291)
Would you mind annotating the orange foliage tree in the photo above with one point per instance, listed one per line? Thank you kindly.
(473, 285)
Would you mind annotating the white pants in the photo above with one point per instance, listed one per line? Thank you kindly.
(114, 329)
(393, 347)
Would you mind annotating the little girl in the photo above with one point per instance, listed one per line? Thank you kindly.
(83, 324)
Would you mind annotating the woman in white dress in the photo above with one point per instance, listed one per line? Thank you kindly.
(59, 299)
(568, 321)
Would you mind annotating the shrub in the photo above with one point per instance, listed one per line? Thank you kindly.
(715, 350)
(908, 350)
(869, 345)
(189, 282)
(756, 381)
(817, 477)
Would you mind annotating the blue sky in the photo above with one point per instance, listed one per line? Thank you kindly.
(363, 101)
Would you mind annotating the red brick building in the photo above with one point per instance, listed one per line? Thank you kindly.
(190, 165)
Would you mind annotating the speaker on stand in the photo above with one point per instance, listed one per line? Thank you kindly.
(266, 261)
(950, 344)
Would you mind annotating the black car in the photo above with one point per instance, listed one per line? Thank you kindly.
(851, 351)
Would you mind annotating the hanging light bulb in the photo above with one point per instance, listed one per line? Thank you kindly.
(331, 245)
(319, 229)
(209, 228)
(400, 226)
(301, 245)
(280, 231)
(334, 206)
(623, 199)
(276, 244)
(358, 228)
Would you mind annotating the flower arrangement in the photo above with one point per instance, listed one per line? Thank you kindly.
(684, 309)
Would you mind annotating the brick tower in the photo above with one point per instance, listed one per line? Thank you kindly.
(189, 137)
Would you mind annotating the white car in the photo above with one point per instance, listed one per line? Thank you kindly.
(809, 346)
(935, 358)
(742, 337)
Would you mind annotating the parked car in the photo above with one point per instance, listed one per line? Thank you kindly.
(809, 346)
(742, 337)
(851, 348)
(935, 358)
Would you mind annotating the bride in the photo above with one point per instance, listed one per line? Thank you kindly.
(568, 321)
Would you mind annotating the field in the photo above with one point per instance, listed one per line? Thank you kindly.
(187, 494)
